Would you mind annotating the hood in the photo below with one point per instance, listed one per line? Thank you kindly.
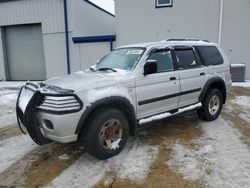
(87, 80)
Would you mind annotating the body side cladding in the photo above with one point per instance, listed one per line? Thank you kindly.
(215, 82)
(157, 99)
(120, 103)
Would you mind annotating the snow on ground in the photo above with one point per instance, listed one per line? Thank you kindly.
(133, 163)
(7, 107)
(13, 149)
(222, 160)
(167, 114)
(241, 84)
(243, 101)
(11, 85)
(245, 116)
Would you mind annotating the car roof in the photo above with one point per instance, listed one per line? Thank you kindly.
(171, 42)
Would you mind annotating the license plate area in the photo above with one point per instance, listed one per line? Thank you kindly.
(24, 98)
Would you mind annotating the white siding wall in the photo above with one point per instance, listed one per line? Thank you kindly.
(236, 32)
(50, 14)
(90, 21)
(84, 20)
(139, 21)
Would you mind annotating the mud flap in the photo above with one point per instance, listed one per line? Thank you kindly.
(29, 119)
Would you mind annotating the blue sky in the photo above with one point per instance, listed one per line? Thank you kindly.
(105, 4)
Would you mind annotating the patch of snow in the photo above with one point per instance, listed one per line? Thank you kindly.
(243, 101)
(241, 84)
(167, 114)
(64, 157)
(238, 65)
(245, 117)
(11, 85)
(115, 144)
(133, 163)
(93, 95)
(7, 107)
(13, 149)
(221, 161)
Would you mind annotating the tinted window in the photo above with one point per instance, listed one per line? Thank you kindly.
(186, 59)
(164, 60)
(210, 55)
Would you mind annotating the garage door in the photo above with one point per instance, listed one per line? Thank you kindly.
(24, 52)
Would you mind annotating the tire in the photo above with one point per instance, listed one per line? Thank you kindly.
(95, 138)
(211, 105)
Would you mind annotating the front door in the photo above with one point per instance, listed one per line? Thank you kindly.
(158, 92)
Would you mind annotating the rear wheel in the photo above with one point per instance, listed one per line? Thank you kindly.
(211, 105)
(107, 133)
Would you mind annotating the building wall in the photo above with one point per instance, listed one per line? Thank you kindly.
(51, 16)
(236, 32)
(89, 21)
(83, 20)
(139, 21)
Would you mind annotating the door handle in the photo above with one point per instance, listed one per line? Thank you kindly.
(202, 73)
(172, 78)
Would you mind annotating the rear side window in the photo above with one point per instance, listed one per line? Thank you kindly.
(211, 55)
(164, 60)
(186, 59)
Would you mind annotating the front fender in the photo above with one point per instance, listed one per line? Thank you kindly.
(118, 102)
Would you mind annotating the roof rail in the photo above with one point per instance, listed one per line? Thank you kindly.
(187, 40)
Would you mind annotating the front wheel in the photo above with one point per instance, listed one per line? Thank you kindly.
(107, 133)
(211, 106)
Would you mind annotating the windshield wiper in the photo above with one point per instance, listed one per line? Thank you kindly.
(107, 69)
(92, 69)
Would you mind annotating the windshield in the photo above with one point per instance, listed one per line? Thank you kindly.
(125, 58)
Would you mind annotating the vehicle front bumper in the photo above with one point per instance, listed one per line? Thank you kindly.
(64, 126)
(58, 125)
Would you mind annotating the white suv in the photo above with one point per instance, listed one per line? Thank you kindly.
(103, 105)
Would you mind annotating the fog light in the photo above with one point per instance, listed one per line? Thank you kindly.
(48, 124)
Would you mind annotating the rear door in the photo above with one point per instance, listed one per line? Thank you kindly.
(192, 74)
(158, 92)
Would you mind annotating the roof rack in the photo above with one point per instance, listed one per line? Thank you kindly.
(187, 40)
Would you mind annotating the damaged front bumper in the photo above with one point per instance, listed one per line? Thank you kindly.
(49, 112)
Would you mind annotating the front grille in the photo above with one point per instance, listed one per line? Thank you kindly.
(60, 104)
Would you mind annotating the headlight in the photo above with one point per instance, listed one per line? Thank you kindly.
(61, 104)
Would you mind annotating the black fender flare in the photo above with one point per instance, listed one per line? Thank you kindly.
(118, 102)
(215, 82)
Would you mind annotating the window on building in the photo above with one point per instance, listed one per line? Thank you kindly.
(186, 59)
(164, 60)
(210, 55)
(164, 3)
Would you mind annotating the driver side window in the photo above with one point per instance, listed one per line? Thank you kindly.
(163, 59)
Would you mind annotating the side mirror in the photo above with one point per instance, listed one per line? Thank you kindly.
(150, 67)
